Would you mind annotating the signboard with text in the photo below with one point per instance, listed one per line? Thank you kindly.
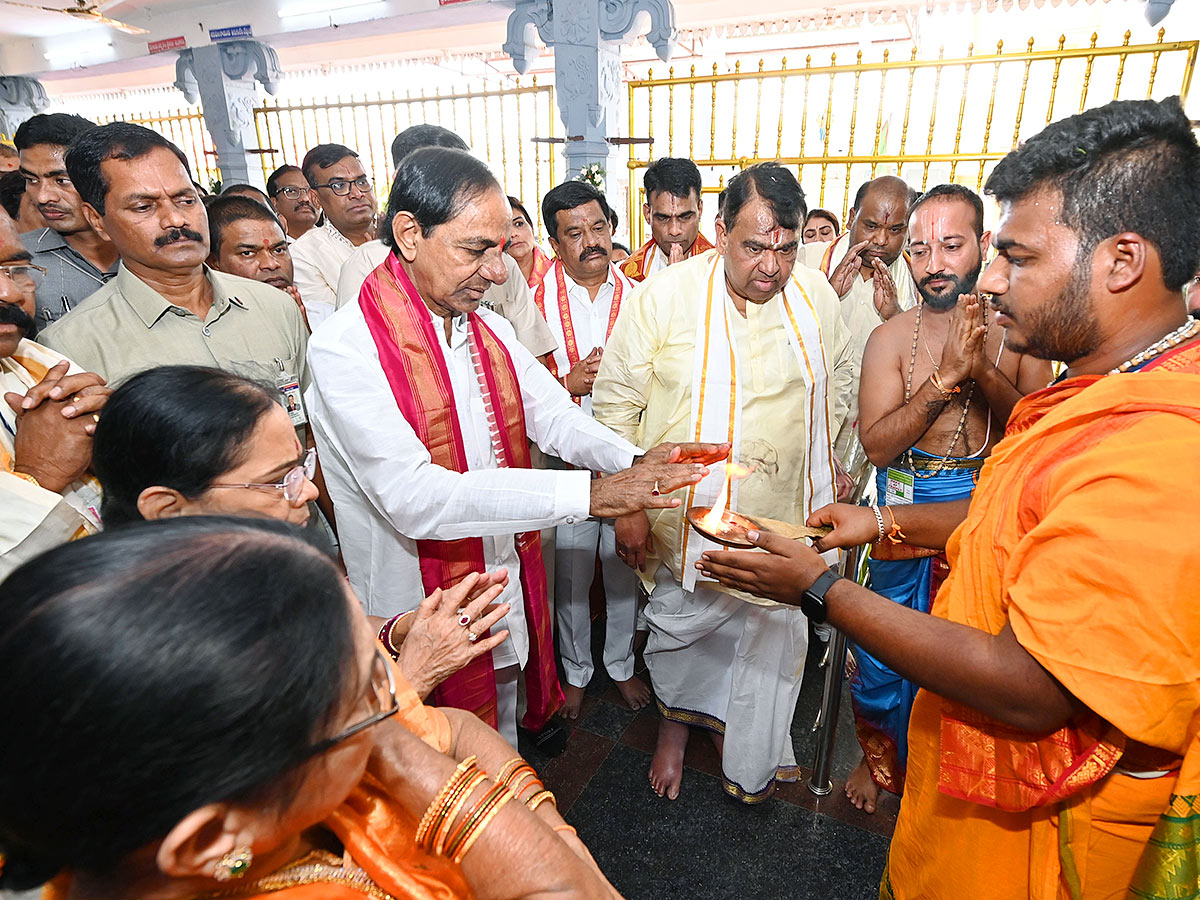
(171, 43)
(232, 33)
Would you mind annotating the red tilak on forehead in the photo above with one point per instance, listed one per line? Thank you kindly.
(776, 236)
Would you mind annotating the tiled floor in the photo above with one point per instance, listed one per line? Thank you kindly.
(706, 846)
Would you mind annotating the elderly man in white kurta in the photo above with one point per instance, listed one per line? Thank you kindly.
(869, 271)
(422, 408)
(736, 345)
(580, 297)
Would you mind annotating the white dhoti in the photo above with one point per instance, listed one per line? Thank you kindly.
(575, 568)
(694, 636)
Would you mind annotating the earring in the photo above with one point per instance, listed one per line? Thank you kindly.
(234, 864)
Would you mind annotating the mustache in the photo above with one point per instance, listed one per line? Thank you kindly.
(593, 251)
(50, 207)
(178, 234)
(11, 314)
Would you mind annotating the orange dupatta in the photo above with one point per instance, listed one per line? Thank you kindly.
(637, 267)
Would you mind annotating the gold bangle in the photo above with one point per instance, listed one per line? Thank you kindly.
(564, 828)
(27, 477)
(461, 773)
(497, 796)
(484, 822)
(538, 799)
(442, 831)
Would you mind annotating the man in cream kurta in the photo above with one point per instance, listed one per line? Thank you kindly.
(715, 659)
(867, 268)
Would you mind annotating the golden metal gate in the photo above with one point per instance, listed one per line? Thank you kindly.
(498, 125)
(185, 128)
(926, 120)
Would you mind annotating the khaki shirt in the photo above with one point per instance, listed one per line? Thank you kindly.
(127, 326)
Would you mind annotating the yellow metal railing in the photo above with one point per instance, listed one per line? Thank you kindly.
(926, 120)
(186, 129)
(498, 125)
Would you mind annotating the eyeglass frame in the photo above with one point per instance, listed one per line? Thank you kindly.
(300, 191)
(374, 719)
(307, 467)
(6, 268)
(362, 182)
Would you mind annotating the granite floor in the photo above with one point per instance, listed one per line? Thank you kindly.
(705, 845)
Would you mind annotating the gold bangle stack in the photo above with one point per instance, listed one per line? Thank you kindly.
(462, 774)
(478, 819)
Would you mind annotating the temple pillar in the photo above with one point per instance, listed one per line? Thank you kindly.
(20, 98)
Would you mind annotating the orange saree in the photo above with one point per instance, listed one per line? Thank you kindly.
(1078, 536)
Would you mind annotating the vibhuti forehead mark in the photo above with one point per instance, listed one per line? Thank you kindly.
(776, 236)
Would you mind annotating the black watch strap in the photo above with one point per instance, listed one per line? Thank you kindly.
(812, 603)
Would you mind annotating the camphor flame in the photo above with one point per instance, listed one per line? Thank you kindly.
(713, 520)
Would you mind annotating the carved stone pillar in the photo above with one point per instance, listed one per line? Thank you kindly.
(20, 98)
(586, 36)
(223, 78)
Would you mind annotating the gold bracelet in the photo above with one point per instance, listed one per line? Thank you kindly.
(494, 797)
(538, 799)
(27, 477)
(442, 830)
(507, 770)
(461, 772)
(483, 823)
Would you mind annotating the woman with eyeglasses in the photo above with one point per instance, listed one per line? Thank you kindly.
(235, 731)
(189, 440)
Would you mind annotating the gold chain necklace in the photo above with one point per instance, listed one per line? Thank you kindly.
(941, 465)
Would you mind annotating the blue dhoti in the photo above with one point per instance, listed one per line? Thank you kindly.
(882, 700)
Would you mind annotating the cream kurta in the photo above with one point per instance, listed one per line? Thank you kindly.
(644, 388)
(859, 313)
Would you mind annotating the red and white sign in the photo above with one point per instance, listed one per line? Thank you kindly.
(173, 43)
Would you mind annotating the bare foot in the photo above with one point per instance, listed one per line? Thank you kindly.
(572, 700)
(634, 691)
(666, 769)
(861, 788)
(718, 742)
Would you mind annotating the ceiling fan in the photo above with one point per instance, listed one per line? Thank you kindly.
(82, 10)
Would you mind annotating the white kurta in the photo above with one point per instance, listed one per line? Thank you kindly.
(577, 545)
(388, 493)
(319, 255)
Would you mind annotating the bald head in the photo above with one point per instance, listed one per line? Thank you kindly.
(880, 217)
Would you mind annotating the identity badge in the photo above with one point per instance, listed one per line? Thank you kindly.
(899, 487)
(289, 391)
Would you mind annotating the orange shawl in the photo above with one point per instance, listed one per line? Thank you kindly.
(1093, 472)
(637, 268)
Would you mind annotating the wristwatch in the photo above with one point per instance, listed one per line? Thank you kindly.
(812, 601)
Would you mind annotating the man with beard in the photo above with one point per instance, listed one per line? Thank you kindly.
(288, 190)
(580, 298)
(937, 388)
(248, 241)
(165, 306)
(1054, 747)
(339, 187)
(867, 269)
(47, 421)
(77, 260)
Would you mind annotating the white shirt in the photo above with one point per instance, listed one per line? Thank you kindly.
(318, 256)
(589, 318)
(511, 298)
(388, 493)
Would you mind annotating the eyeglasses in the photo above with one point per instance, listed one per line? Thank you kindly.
(292, 193)
(292, 484)
(384, 697)
(341, 187)
(26, 276)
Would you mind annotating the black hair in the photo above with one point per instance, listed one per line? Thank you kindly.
(569, 195)
(819, 213)
(116, 140)
(613, 220)
(775, 184)
(245, 190)
(518, 206)
(273, 179)
(617, 246)
(417, 136)
(323, 156)
(177, 426)
(153, 669)
(677, 176)
(59, 129)
(435, 184)
(861, 194)
(229, 208)
(953, 192)
(1130, 165)
(12, 189)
